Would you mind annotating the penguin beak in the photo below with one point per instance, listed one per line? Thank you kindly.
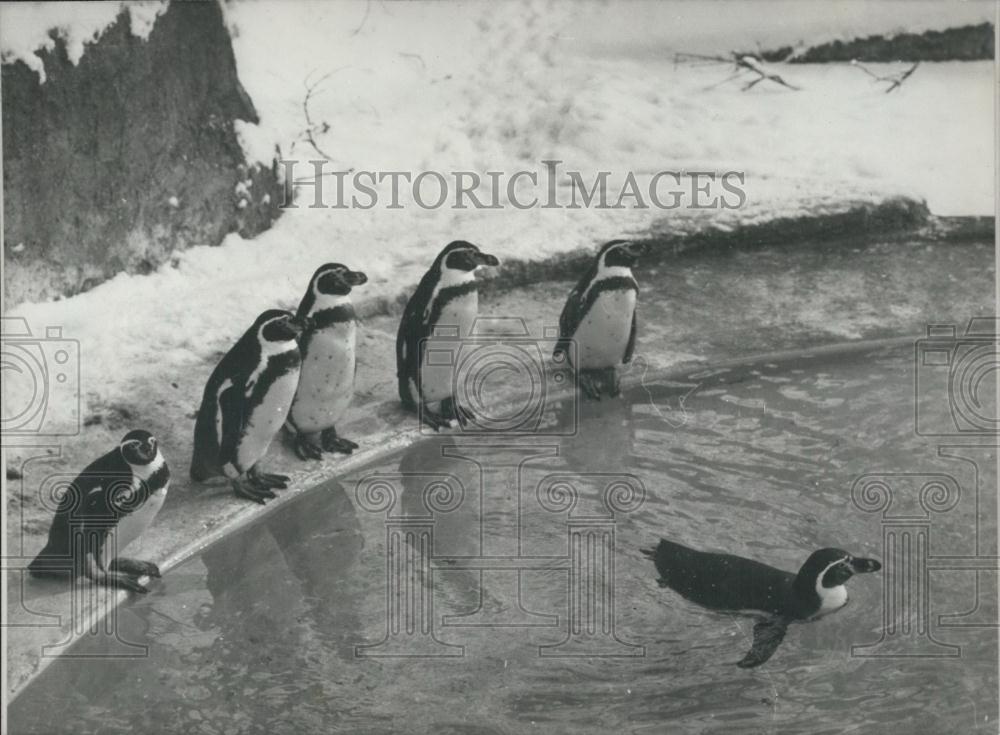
(863, 566)
(356, 278)
(299, 324)
(485, 259)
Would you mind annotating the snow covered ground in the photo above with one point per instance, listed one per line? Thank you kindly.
(501, 87)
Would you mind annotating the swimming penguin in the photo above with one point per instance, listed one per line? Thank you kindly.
(326, 382)
(597, 326)
(734, 584)
(109, 505)
(245, 403)
(446, 299)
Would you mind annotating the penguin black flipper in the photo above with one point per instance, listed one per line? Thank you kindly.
(413, 331)
(767, 636)
(230, 403)
(630, 347)
(572, 313)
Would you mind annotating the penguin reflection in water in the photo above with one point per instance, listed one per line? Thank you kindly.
(437, 317)
(109, 505)
(733, 584)
(326, 382)
(245, 403)
(599, 319)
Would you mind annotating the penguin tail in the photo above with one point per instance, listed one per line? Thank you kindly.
(201, 468)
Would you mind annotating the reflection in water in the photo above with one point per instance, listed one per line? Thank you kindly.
(256, 634)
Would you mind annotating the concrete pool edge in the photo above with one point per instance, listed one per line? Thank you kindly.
(245, 514)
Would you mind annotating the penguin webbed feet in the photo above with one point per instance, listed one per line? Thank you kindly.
(451, 412)
(135, 567)
(259, 486)
(306, 448)
(596, 383)
(333, 443)
(115, 576)
(590, 384)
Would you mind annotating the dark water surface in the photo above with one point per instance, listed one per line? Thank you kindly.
(261, 633)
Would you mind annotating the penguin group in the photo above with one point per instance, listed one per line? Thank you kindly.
(297, 370)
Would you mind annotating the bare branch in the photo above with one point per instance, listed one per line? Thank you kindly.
(313, 128)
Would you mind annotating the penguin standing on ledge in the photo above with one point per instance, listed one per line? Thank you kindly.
(733, 584)
(110, 504)
(245, 403)
(597, 326)
(446, 299)
(326, 382)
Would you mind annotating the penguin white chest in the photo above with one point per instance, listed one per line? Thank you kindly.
(604, 331)
(326, 383)
(831, 599)
(133, 525)
(437, 374)
(266, 419)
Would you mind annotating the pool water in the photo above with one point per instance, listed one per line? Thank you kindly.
(285, 626)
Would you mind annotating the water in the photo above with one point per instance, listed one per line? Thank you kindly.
(259, 633)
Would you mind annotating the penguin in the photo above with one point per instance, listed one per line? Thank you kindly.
(326, 381)
(733, 584)
(597, 326)
(447, 298)
(245, 403)
(110, 504)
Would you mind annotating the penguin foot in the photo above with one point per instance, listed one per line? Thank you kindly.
(266, 480)
(134, 567)
(119, 580)
(435, 420)
(589, 385)
(609, 377)
(248, 490)
(333, 443)
(306, 448)
(454, 411)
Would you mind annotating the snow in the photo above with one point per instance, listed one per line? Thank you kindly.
(26, 28)
(501, 87)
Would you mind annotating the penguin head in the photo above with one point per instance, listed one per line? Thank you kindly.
(621, 253)
(138, 447)
(828, 568)
(464, 256)
(335, 279)
(275, 325)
